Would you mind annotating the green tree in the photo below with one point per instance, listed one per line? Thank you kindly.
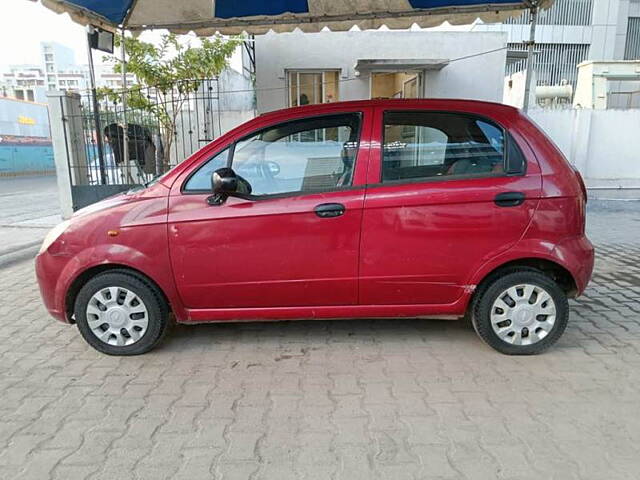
(173, 70)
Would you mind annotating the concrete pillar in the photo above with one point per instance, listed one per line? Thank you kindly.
(67, 137)
(604, 29)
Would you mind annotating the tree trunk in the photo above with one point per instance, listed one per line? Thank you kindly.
(167, 143)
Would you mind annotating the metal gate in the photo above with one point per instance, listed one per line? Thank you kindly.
(96, 140)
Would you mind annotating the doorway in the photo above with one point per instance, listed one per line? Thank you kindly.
(395, 85)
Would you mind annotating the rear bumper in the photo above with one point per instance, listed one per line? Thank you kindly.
(577, 252)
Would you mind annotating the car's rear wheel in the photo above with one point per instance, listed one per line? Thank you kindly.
(120, 313)
(523, 312)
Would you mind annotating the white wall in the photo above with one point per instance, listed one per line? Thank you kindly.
(479, 77)
(514, 87)
(603, 144)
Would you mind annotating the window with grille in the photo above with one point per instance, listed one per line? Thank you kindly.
(554, 62)
(632, 46)
(562, 12)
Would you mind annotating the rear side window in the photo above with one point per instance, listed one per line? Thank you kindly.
(424, 145)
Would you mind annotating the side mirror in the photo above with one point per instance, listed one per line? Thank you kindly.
(224, 182)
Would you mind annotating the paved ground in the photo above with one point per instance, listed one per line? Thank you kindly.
(28, 208)
(331, 400)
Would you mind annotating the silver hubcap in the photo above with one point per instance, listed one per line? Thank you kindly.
(523, 314)
(117, 316)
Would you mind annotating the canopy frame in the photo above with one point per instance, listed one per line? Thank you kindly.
(328, 19)
(261, 23)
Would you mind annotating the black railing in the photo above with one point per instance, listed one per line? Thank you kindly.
(164, 126)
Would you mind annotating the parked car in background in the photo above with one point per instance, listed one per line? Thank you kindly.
(391, 208)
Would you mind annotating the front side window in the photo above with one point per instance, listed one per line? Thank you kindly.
(201, 180)
(310, 155)
(432, 144)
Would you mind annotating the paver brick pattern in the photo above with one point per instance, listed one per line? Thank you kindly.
(361, 399)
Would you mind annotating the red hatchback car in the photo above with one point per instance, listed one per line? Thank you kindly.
(393, 208)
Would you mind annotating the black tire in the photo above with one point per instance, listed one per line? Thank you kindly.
(157, 309)
(493, 287)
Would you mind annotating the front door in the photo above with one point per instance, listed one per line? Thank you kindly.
(294, 240)
(451, 194)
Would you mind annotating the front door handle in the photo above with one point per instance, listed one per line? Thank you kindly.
(509, 199)
(326, 210)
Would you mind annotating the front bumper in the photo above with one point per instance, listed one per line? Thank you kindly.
(48, 269)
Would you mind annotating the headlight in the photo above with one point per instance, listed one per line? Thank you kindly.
(53, 235)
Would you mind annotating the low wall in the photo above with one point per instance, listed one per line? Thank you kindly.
(25, 156)
(603, 144)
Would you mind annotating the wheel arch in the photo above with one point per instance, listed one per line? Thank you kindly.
(83, 277)
(552, 269)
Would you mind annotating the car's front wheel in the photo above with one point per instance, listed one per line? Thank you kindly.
(523, 312)
(121, 313)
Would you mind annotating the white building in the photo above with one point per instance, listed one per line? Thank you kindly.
(56, 58)
(24, 82)
(299, 68)
(572, 32)
(57, 71)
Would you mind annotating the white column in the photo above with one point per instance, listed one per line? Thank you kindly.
(605, 26)
(69, 154)
(581, 136)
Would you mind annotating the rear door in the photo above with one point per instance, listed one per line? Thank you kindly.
(448, 191)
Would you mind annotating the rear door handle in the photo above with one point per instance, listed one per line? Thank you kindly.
(509, 199)
(326, 210)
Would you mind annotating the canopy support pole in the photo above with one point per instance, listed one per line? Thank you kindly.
(125, 127)
(530, 57)
(96, 110)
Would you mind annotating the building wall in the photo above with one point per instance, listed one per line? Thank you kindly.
(20, 118)
(604, 31)
(62, 57)
(277, 53)
(571, 32)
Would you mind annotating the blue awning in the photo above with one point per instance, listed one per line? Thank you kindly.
(257, 16)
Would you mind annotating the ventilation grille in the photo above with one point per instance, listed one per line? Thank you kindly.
(632, 47)
(554, 62)
(562, 12)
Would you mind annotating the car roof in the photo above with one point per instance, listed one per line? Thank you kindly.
(427, 103)
(502, 114)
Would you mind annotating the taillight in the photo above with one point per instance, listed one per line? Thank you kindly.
(582, 185)
(583, 204)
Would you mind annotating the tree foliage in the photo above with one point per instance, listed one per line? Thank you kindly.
(171, 71)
